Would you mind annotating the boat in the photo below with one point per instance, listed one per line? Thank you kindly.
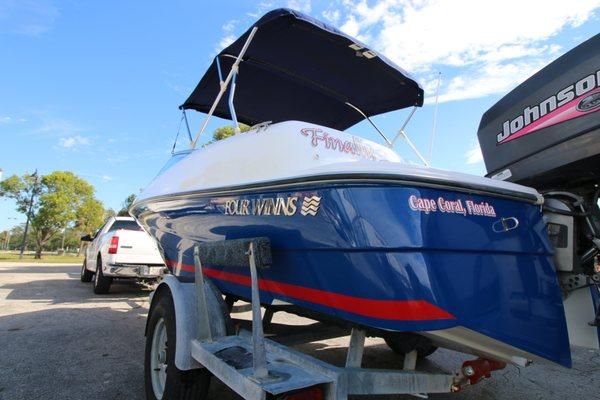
(358, 236)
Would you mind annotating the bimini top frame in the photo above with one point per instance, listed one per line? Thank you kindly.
(298, 68)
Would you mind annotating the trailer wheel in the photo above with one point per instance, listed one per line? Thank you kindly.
(163, 380)
(101, 283)
(404, 343)
(86, 275)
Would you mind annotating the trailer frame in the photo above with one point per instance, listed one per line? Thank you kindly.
(256, 367)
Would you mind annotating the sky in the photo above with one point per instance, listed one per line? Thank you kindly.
(94, 87)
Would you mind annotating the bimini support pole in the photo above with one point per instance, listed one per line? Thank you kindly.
(231, 94)
(231, 107)
(224, 84)
(410, 143)
(371, 122)
(183, 118)
(187, 125)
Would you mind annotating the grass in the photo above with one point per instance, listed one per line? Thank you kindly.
(46, 258)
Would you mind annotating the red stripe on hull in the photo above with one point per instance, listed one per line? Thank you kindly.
(398, 310)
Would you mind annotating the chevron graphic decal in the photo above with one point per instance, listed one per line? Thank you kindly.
(310, 205)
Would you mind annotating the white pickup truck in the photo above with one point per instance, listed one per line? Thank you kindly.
(120, 249)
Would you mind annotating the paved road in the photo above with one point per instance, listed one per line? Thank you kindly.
(60, 341)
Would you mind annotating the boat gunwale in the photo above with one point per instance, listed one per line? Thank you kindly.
(355, 178)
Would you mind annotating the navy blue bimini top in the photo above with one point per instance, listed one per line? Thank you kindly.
(298, 68)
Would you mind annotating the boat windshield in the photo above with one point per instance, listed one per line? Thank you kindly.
(175, 158)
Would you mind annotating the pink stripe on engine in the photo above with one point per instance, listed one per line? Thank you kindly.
(564, 113)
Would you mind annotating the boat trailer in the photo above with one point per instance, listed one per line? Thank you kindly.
(259, 368)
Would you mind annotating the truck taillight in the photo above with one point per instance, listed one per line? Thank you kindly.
(114, 245)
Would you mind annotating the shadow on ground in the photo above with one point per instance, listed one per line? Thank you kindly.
(64, 290)
(73, 353)
(41, 269)
(83, 346)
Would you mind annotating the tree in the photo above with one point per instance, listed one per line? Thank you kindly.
(4, 237)
(16, 237)
(61, 198)
(124, 211)
(90, 216)
(226, 131)
(19, 188)
(23, 190)
(72, 240)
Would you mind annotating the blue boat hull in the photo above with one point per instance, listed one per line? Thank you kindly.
(383, 255)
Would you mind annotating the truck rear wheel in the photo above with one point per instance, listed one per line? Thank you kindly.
(86, 275)
(101, 283)
(162, 379)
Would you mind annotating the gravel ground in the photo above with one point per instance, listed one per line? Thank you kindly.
(63, 342)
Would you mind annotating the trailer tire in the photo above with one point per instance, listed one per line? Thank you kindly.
(101, 283)
(178, 384)
(404, 343)
(86, 275)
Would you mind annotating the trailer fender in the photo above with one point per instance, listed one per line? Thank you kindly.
(186, 321)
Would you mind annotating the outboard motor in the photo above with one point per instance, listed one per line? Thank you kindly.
(546, 134)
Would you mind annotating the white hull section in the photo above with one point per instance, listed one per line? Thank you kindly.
(470, 342)
(580, 310)
(300, 150)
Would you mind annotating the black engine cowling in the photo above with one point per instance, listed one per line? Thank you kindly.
(546, 132)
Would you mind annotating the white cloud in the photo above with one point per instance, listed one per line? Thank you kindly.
(52, 126)
(333, 16)
(171, 77)
(104, 178)
(230, 25)
(73, 142)
(474, 155)
(489, 47)
(8, 119)
(225, 41)
(351, 26)
(262, 7)
(180, 89)
(301, 5)
(491, 78)
(27, 18)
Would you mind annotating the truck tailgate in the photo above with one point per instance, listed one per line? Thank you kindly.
(136, 247)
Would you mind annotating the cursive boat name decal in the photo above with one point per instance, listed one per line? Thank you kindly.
(282, 206)
(428, 205)
(355, 146)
